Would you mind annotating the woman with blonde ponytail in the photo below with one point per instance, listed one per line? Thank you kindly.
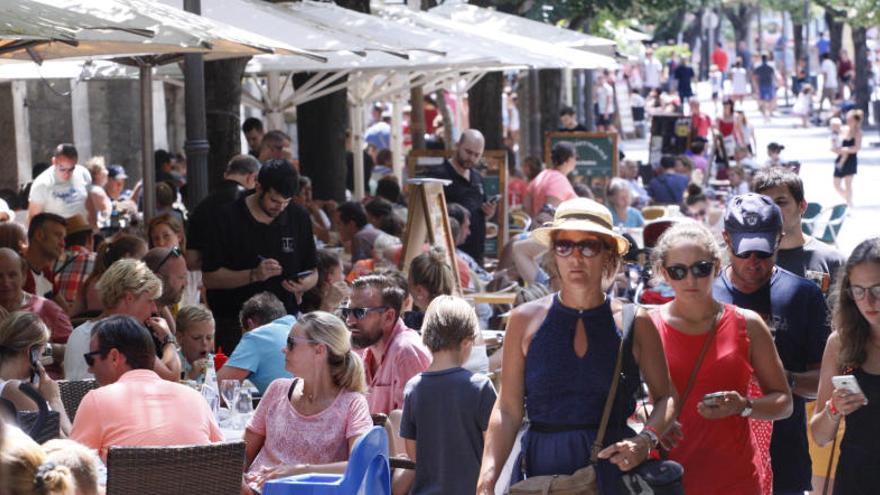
(310, 423)
(25, 469)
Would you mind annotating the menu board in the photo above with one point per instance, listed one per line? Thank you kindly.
(596, 158)
(670, 135)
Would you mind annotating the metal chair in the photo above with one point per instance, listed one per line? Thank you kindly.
(215, 468)
(72, 393)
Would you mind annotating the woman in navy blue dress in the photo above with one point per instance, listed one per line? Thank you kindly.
(559, 357)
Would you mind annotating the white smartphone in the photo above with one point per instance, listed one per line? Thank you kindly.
(846, 382)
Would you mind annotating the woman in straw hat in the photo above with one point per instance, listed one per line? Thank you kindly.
(560, 352)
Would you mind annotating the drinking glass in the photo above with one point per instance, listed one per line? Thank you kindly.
(230, 389)
(244, 406)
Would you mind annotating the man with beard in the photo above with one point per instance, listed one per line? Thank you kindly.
(797, 315)
(169, 265)
(264, 243)
(392, 352)
(466, 189)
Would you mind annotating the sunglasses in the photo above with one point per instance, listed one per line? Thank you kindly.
(588, 248)
(748, 254)
(359, 313)
(175, 251)
(293, 340)
(90, 357)
(859, 293)
(700, 269)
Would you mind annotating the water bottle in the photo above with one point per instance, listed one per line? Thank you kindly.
(114, 219)
(210, 389)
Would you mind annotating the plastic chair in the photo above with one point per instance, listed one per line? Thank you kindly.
(367, 472)
(808, 219)
(834, 224)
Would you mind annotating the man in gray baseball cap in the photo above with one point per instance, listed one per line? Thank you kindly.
(796, 313)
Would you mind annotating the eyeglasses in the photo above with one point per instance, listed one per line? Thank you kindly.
(292, 340)
(859, 293)
(90, 357)
(748, 254)
(359, 313)
(588, 248)
(175, 251)
(700, 269)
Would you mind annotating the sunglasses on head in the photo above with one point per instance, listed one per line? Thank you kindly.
(359, 313)
(700, 269)
(90, 357)
(588, 248)
(292, 340)
(859, 293)
(748, 254)
(175, 251)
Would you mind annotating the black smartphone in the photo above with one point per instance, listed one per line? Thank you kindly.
(35, 366)
(712, 400)
(495, 199)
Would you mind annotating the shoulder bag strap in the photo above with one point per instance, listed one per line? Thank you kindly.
(612, 392)
(693, 377)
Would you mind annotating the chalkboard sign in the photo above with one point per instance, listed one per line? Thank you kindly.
(670, 135)
(596, 157)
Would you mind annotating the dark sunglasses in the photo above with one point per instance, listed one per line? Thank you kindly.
(748, 254)
(588, 248)
(700, 269)
(175, 251)
(859, 293)
(293, 340)
(359, 313)
(90, 357)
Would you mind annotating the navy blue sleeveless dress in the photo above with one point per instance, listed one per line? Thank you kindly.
(565, 394)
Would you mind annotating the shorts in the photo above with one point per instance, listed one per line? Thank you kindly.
(766, 93)
(600, 117)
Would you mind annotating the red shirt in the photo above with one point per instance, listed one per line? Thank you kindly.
(700, 125)
(405, 356)
(719, 58)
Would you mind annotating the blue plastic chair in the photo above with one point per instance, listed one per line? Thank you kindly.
(368, 472)
(808, 219)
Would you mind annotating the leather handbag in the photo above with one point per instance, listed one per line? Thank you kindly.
(584, 480)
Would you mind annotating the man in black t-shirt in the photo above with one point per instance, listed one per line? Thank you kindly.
(466, 189)
(264, 242)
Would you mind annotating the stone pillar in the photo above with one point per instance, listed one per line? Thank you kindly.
(15, 150)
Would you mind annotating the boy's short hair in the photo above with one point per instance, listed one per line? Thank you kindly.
(448, 322)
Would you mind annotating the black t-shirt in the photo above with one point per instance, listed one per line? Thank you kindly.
(797, 315)
(684, 74)
(814, 261)
(240, 242)
(203, 218)
(470, 194)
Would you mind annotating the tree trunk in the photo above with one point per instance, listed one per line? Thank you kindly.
(523, 100)
(550, 82)
(863, 68)
(799, 48)
(222, 102)
(835, 31)
(448, 120)
(321, 125)
(740, 18)
(417, 117)
(589, 114)
(484, 103)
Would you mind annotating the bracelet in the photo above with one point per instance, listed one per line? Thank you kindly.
(650, 437)
(652, 433)
(832, 411)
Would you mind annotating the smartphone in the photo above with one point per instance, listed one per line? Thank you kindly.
(47, 358)
(712, 400)
(35, 366)
(495, 199)
(301, 275)
(846, 382)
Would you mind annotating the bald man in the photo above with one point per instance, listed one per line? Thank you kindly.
(466, 188)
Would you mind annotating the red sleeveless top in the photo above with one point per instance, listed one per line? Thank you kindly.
(718, 455)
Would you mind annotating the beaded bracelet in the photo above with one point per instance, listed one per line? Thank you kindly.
(832, 411)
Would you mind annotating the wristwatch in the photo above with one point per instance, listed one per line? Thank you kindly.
(747, 411)
(169, 339)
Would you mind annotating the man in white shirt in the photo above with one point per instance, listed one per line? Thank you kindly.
(652, 71)
(604, 105)
(829, 74)
(61, 188)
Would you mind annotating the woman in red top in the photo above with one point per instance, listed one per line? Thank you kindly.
(716, 449)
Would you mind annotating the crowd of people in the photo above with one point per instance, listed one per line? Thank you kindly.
(750, 319)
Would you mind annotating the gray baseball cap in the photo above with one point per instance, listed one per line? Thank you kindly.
(753, 222)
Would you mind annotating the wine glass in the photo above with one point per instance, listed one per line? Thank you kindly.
(244, 405)
(230, 389)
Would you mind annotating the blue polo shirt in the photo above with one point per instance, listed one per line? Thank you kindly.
(796, 312)
(259, 352)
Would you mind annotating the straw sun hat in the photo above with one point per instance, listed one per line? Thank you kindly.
(585, 215)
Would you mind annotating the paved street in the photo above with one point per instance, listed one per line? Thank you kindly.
(812, 148)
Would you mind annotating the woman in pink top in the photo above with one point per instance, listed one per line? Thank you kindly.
(551, 186)
(310, 423)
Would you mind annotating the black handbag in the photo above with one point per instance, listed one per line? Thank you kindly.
(42, 425)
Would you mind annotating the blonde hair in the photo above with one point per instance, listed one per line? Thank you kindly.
(26, 470)
(188, 315)
(127, 275)
(79, 459)
(448, 322)
(432, 271)
(21, 330)
(691, 231)
(346, 367)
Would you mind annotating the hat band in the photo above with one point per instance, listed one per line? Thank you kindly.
(586, 216)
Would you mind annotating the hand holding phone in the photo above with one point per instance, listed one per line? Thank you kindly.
(714, 399)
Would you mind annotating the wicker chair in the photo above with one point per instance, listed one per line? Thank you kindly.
(72, 393)
(214, 469)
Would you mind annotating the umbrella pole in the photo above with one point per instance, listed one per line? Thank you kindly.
(149, 170)
(357, 148)
(197, 145)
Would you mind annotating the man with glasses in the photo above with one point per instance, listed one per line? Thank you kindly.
(261, 242)
(133, 405)
(62, 188)
(128, 288)
(392, 352)
(169, 265)
(796, 313)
